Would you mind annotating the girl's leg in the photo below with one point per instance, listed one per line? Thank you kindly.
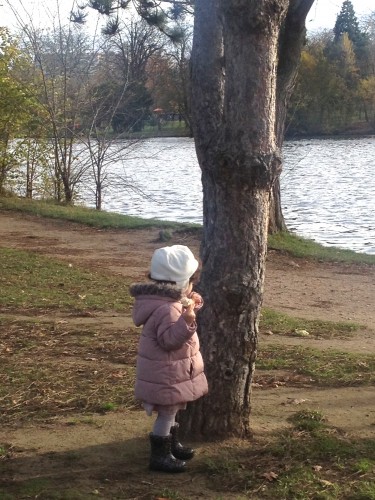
(161, 445)
(163, 424)
(180, 451)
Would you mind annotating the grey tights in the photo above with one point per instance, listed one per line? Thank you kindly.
(163, 424)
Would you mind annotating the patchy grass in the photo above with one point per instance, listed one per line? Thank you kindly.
(31, 281)
(307, 420)
(315, 462)
(284, 324)
(56, 368)
(51, 369)
(323, 368)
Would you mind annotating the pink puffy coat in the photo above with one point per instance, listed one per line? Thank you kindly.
(169, 363)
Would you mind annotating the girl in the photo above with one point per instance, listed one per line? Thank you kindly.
(169, 363)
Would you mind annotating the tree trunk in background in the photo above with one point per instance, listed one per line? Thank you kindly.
(276, 222)
(234, 94)
(292, 39)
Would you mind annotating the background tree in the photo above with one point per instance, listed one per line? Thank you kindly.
(330, 95)
(168, 17)
(130, 49)
(168, 79)
(346, 22)
(367, 94)
(19, 110)
(63, 63)
(99, 148)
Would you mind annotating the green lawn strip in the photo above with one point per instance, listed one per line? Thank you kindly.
(309, 249)
(86, 216)
(318, 463)
(284, 324)
(324, 368)
(30, 281)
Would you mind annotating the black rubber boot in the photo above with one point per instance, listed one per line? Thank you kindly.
(178, 450)
(161, 455)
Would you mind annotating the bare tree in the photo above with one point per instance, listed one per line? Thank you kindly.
(65, 61)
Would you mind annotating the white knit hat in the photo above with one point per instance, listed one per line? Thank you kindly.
(176, 263)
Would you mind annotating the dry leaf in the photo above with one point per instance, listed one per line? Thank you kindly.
(325, 483)
(296, 401)
(270, 476)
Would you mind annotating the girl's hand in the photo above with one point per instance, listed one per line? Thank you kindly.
(197, 300)
(188, 314)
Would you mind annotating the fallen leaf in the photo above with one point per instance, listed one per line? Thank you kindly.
(301, 333)
(325, 483)
(292, 401)
(270, 476)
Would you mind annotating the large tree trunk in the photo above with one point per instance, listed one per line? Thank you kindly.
(234, 117)
(234, 102)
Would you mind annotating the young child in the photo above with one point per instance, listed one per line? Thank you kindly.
(169, 363)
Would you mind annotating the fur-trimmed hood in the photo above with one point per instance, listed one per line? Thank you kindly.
(155, 288)
(152, 296)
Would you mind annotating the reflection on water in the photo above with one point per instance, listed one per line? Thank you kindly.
(328, 192)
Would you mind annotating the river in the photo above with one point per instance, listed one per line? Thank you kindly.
(327, 187)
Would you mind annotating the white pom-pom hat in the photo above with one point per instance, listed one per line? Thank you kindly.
(175, 263)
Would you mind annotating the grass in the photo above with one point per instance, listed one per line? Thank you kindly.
(89, 378)
(284, 324)
(84, 215)
(308, 460)
(51, 368)
(30, 281)
(323, 368)
(168, 129)
(286, 242)
(308, 249)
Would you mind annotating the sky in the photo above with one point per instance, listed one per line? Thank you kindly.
(321, 16)
(323, 13)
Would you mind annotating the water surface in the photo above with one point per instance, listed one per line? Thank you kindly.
(327, 186)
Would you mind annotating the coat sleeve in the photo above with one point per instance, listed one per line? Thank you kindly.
(172, 330)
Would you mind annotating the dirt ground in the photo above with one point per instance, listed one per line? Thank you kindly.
(302, 288)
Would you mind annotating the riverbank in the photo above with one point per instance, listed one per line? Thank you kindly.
(70, 427)
(360, 129)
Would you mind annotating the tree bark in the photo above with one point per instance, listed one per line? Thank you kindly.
(234, 115)
(235, 60)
